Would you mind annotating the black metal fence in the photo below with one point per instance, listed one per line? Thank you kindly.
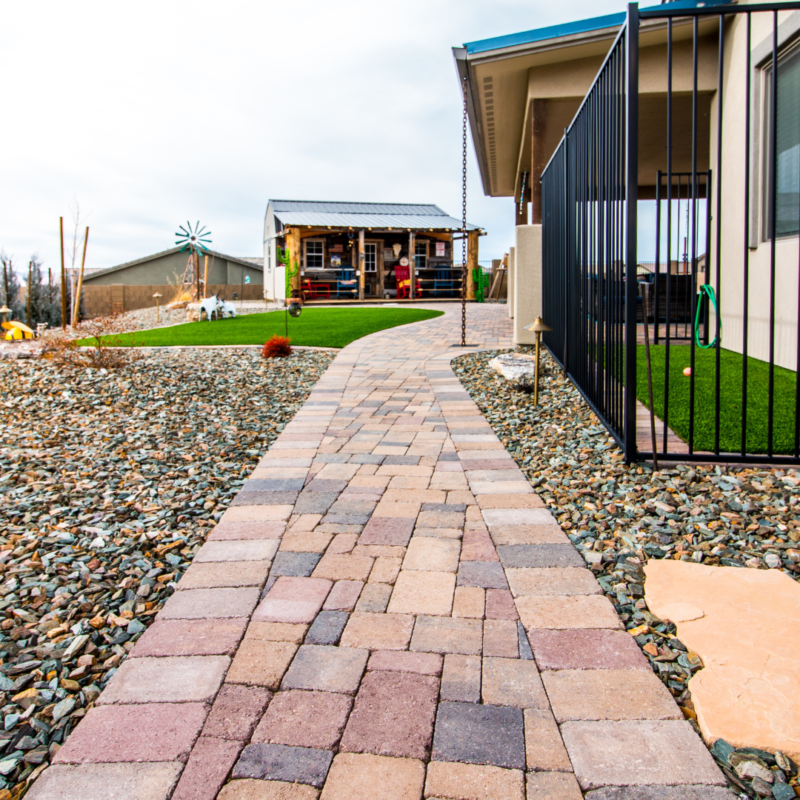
(718, 150)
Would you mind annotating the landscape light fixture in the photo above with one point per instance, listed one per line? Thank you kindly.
(5, 311)
(538, 327)
(157, 296)
(293, 309)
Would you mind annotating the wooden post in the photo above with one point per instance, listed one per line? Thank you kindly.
(28, 299)
(472, 262)
(205, 279)
(412, 266)
(76, 307)
(63, 278)
(362, 263)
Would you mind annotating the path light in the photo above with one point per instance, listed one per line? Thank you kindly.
(157, 296)
(5, 311)
(538, 327)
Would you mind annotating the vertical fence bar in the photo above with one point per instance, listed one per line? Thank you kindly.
(692, 204)
(631, 222)
(667, 282)
(746, 265)
(717, 320)
(657, 270)
(773, 228)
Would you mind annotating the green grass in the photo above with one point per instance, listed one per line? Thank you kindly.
(315, 327)
(730, 398)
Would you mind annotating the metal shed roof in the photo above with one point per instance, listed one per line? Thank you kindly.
(364, 215)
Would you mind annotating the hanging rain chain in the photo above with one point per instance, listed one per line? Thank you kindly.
(464, 221)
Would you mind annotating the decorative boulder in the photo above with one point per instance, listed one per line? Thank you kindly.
(515, 367)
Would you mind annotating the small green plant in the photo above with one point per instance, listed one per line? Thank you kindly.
(277, 347)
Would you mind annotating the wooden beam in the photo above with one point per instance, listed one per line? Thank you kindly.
(361, 264)
(412, 264)
(472, 262)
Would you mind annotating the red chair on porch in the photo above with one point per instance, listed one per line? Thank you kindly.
(402, 274)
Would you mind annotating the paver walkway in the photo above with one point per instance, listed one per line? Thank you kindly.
(386, 611)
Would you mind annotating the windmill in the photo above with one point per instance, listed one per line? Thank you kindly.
(196, 240)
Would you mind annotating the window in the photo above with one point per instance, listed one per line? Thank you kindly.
(787, 135)
(421, 253)
(315, 254)
(370, 257)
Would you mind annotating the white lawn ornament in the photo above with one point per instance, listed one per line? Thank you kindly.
(228, 309)
(210, 305)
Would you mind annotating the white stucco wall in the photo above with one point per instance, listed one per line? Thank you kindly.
(511, 267)
(527, 281)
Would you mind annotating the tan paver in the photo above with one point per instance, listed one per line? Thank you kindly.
(473, 782)
(363, 776)
(423, 593)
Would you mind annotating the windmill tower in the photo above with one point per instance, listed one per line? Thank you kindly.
(196, 240)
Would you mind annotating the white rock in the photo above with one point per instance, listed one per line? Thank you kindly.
(515, 367)
(98, 544)
(772, 560)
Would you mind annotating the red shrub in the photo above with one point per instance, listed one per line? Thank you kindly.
(277, 347)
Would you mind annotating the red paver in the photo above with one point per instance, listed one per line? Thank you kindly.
(388, 530)
(586, 649)
(207, 768)
(500, 605)
(305, 719)
(393, 715)
(236, 711)
(126, 733)
(247, 530)
(402, 661)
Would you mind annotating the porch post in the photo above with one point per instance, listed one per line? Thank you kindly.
(472, 262)
(412, 265)
(361, 265)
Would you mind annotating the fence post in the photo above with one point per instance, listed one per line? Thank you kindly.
(631, 197)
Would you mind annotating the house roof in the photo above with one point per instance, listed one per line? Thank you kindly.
(318, 213)
(569, 28)
(254, 263)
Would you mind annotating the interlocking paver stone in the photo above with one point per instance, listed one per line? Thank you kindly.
(544, 749)
(246, 550)
(461, 678)
(247, 530)
(293, 599)
(279, 762)
(190, 637)
(552, 786)
(216, 574)
(260, 662)
(432, 555)
(469, 601)
(248, 789)
(539, 555)
(586, 649)
(297, 565)
(106, 781)
(374, 598)
(541, 582)
(305, 719)
(500, 605)
(561, 612)
(638, 753)
(609, 694)
(473, 782)
(486, 574)
(314, 502)
(327, 669)
(423, 593)
(393, 715)
(500, 638)
(387, 530)
(364, 776)
(125, 733)
(343, 596)
(177, 679)
(447, 635)
(207, 768)
(236, 711)
(378, 631)
(512, 682)
(479, 734)
(683, 792)
(210, 603)
(403, 661)
(528, 534)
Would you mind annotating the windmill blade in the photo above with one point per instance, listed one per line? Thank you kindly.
(185, 232)
(202, 230)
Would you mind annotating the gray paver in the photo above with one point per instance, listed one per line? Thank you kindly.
(279, 762)
(540, 555)
(327, 627)
(479, 734)
(315, 502)
(296, 565)
(661, 793)
(486, 574)
(326, 669)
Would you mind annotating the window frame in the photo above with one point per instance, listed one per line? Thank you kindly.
(324, 265)
(367, 270)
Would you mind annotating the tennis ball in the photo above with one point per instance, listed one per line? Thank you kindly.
(687, 371)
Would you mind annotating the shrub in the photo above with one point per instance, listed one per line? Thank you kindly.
(277, 347)
(100, 351)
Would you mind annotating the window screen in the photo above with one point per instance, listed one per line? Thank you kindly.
(787, 134)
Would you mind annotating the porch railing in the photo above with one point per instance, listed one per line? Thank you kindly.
(723, 292)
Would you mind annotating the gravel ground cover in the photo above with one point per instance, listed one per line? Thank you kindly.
(619, 516)
(109, 482)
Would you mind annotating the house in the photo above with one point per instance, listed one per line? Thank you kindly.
(595, 125)
(131, 285)
(345, 252)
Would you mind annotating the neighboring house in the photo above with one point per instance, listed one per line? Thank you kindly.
(359, 251)
(524, 90)
(132, 285)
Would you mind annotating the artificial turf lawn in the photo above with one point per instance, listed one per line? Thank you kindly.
(730, 434)
(315, 327)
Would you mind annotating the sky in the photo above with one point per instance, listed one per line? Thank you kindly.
(150, 114)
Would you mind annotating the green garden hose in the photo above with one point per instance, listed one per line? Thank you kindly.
(707, 290)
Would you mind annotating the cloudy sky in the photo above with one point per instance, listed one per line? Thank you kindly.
(149, 114)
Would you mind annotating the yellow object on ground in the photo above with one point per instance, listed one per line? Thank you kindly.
(17, 330)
